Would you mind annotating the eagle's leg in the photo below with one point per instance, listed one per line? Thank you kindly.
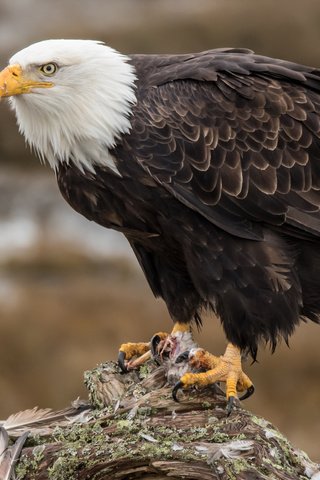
(226, 368)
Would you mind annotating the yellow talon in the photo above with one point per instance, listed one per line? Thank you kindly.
(134, 349)
(226, 368)
(129, 350)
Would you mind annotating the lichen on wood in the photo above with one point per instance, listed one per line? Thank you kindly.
(132, 429)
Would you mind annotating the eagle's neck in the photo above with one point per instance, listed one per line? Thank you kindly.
(80, 119)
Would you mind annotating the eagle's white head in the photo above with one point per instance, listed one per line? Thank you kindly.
(72, 99)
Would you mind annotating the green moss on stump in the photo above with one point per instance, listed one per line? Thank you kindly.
(134, 428)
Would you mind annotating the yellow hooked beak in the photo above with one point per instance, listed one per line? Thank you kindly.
(13, 82)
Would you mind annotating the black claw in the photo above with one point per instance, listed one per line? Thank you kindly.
(178, 386)
(248, 393)
(183, 357)
(121, 361)
(230, 405)
(155, 340)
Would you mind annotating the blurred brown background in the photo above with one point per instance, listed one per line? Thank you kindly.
(71, 292)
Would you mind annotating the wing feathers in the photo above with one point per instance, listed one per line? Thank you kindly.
(230, 124)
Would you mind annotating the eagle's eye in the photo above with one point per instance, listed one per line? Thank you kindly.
(48, 69)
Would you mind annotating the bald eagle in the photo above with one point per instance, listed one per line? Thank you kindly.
(208, 163)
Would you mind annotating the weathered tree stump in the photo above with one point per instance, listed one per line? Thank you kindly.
(132, 429)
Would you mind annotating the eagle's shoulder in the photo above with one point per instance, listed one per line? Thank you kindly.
(153, 70)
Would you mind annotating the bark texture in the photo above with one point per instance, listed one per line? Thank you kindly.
(132, 429)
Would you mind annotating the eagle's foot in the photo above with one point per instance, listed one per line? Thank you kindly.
(128, 353)
(226, 368)
(161, 347)
(133, 355)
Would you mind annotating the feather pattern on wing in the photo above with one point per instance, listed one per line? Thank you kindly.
(233, 135)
